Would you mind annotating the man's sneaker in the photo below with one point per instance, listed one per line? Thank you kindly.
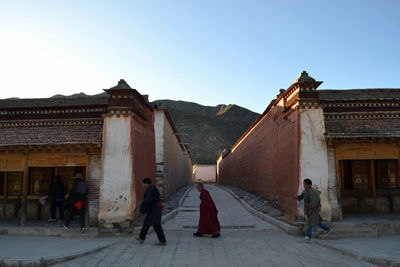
(326, 233)
(83, 230)
(65, 227)
(161, 244)
(197, 234)
(51, 220)
(308, 239)
(139, 239)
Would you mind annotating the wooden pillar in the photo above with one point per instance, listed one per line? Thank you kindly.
(24, 193)
(339, 178)
(5, 194)
(87, 184)
(373, 181)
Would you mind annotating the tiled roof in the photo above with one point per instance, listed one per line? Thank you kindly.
(55, 135)
(359, 94)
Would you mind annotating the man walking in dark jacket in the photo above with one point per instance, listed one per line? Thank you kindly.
(77, 201)
(57, 200)
(151, 206)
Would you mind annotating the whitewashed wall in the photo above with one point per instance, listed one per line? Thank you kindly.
(205, 173)
(313, 156)
(115, 201)
(174, 166)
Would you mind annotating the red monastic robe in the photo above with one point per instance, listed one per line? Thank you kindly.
(208, 223)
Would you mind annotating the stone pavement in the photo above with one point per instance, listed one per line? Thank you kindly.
(246, 241)
(40, 250)
(231, 213)
(383, 250)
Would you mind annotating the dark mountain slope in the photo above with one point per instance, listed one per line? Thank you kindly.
(208, 130)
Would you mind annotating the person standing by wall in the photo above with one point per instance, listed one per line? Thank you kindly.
(312, 208)
(57, 200)
(77, 198)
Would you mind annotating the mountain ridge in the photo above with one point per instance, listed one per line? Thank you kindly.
(208, 130)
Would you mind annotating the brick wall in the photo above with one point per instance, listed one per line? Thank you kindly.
(266, 161)
(144, 160)
(174, 166)
(94, 174)
(177, 164)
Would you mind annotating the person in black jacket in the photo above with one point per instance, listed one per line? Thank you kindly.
(151, 206)
(77, 201)
(57, 199)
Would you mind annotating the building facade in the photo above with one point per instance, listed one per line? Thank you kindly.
(205, 173)
(109, 138)
(345, 141)
(174, 163)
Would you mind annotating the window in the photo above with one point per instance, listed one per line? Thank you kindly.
(68, 174)
(359, 174)
(14, 182)
(355, 174)
(40, 181)
(386, 176)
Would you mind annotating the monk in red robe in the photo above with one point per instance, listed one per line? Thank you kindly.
(208, 223)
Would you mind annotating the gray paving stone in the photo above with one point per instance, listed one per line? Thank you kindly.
(263, 245)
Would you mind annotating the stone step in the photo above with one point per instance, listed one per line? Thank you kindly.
(348, 232)
(341, 225)
(79, 235)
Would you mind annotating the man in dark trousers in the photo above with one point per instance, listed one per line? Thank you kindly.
(77, 199)
(312, 207)
(151, 206)
(57, 199)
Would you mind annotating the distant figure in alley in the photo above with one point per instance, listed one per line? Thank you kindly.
(152, 207)
(208, 223)
(312, 207)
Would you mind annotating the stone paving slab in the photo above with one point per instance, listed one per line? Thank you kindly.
(229, 212)
(384, 250)
(263, 245)
(41, 250)
(233, 248)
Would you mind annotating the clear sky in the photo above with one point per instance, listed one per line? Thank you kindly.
(209, 52)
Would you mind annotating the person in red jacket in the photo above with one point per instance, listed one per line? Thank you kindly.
(208, 223)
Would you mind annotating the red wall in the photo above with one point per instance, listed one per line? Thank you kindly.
(144, 161)
(266, 162)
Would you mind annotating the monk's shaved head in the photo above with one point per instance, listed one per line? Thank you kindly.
(200, 187)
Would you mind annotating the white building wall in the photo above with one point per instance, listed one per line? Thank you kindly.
(205, 173)
(313, 156)
(115, 201)
(336, 209)
(174, 166)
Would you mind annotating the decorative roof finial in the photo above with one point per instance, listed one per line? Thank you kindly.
(304, 77)
(121, 85)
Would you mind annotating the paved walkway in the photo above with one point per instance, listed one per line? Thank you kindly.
(246, 241)
(231, 213)
(35, 249)
(382, 249)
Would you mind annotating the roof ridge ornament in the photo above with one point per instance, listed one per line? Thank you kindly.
(304, 77)
(122, 85)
